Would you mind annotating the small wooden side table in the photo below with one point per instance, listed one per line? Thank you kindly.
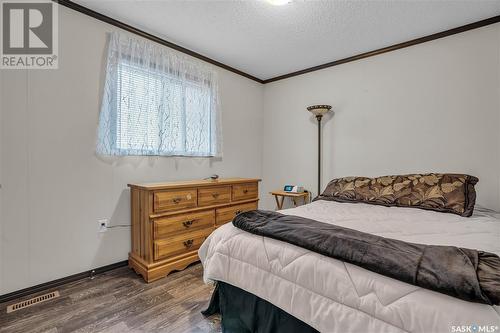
(281, 195)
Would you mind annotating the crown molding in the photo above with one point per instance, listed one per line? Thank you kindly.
(129, 28)
(428, 38)
(416, 41)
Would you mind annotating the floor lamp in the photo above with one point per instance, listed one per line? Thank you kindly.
(319, 111)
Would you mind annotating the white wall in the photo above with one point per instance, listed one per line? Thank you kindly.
(429, 107)
(2, 97)
(54, 188)
(498, 91)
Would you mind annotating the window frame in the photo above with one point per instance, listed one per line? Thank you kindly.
(163, 77)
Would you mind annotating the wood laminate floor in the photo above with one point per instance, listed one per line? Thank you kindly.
(119, 301)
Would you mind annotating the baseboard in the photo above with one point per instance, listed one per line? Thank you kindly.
(61, 281)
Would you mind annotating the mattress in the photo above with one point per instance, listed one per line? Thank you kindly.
(333, 296)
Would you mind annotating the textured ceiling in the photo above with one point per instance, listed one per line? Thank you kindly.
(266, 41)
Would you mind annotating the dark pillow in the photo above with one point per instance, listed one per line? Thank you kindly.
(450, 193)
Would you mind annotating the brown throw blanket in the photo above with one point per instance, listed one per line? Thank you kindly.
(467, 274)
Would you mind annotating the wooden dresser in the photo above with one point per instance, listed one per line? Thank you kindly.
(171, 220)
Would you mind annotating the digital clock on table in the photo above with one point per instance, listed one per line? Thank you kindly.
(293, 188)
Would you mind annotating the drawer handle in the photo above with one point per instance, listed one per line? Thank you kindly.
(187, 224)
(245, 191)
(215, 195)
(176, 200)
(188, 243)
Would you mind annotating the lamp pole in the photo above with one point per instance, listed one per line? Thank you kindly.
(319, 111)
(318, 117)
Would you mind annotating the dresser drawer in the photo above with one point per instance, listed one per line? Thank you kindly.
(178, 245)
(227, 214)
(214, 195)
(171, 226)
(245, 191)
(175, 200)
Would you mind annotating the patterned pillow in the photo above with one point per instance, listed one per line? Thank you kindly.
(451, 193)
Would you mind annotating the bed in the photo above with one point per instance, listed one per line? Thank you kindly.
(330, 295)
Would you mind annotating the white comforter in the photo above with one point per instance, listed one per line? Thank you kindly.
(333, 296)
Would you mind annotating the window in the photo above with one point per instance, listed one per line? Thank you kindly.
(156, 102)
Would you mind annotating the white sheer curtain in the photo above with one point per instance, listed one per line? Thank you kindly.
(157, 101)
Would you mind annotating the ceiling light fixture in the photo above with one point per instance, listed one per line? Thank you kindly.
(279, 2)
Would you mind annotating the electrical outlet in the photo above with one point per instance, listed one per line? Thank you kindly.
(102, 225)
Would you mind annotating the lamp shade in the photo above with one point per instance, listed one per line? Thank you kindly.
(319, 110)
